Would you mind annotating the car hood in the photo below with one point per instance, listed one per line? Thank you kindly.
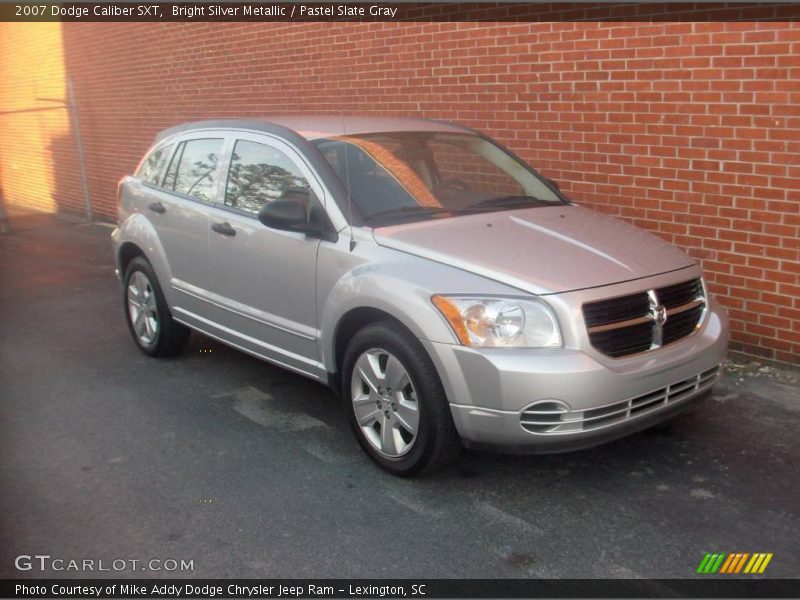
(540, 250)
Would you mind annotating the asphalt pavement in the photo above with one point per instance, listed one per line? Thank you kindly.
(248, 470)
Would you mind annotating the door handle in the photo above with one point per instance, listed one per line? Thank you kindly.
(223, 228)
(157, 207)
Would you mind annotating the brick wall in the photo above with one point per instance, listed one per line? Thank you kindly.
(689, 128)
(38, 168)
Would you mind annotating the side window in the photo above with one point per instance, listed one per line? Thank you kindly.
(260, 174)
(193, 170)
(153, 166)
(169, 178)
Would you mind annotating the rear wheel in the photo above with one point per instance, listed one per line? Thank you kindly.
(398, 408)
(149, 320)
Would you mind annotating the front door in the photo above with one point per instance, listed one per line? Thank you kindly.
(263, 281)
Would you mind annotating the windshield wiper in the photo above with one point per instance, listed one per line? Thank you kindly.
(510, 202)
(411, 211)
(482, 206)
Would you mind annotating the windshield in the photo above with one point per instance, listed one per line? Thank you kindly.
(398, 177)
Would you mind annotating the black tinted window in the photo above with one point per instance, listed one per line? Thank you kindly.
(260, 174)
(193, 171)
(153, 166)
(372, 188)
(408, 175)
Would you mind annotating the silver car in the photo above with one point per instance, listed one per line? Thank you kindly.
(446, 290)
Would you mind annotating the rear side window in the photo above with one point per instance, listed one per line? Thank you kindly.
(260, 174)
(153, 166)
(194, 169)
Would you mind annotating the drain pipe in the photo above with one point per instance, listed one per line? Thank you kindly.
(3, 216)
(76, 128)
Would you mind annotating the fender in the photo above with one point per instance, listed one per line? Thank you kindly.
(137, 229)
(398, 284)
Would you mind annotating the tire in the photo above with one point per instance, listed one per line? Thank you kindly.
(384, 354)
(147, 314)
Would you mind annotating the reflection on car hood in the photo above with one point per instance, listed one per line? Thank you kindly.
(539, 250)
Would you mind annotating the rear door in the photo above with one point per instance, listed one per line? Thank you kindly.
(263, 280)
(178, 207)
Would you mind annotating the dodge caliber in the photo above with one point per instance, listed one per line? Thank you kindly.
(449, 293)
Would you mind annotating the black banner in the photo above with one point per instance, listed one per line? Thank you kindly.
(222, 10)
(702, 587)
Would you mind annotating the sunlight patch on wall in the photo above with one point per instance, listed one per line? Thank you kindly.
(34, 122)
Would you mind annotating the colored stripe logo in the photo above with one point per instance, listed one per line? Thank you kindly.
(733, 563)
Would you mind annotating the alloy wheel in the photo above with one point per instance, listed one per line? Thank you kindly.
(142, 309)
(385, 402)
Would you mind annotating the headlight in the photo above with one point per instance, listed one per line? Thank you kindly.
(500, 322)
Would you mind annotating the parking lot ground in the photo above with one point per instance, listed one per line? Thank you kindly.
(251, 471)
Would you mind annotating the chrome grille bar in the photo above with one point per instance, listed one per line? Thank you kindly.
(640, 322)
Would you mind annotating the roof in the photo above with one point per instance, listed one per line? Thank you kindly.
(320, 126)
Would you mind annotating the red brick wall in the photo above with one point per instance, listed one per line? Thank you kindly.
(690, 129)
(38, 166)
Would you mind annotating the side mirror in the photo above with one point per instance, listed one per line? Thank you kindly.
(289, 214)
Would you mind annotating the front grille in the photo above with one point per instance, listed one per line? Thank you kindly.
(680, 294)
(616, 309)
(553, 417)
(682, 324)
(624, 340)
(646, 320)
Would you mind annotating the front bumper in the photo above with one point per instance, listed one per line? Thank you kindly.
(590, 398)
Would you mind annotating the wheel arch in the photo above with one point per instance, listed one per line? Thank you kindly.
(348, 325)
(137, 237)
(441, 442)
(126, 253)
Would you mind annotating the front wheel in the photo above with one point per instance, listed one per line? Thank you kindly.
(397, 406)
(149, 320)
